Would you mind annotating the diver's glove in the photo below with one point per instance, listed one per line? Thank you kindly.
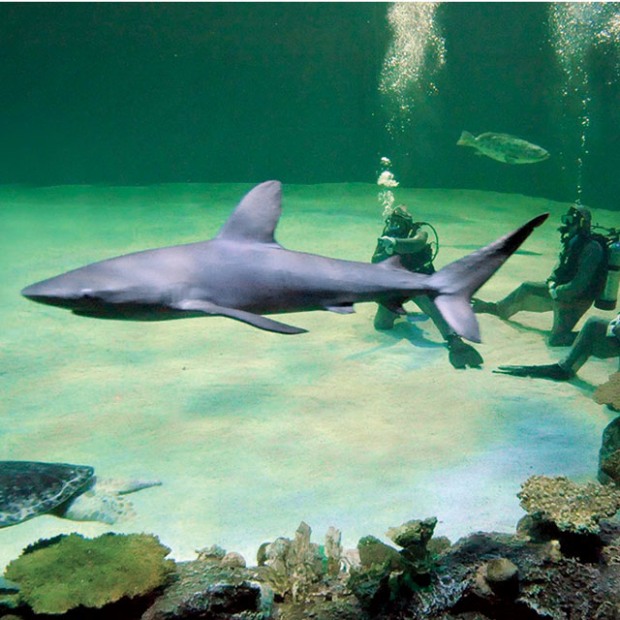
(388, 244)
(461, 354)
(614, 327)
(555, 372)
(553, 292)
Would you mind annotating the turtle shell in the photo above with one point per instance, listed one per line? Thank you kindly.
(30, 488)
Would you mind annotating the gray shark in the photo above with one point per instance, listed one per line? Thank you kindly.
(243, 273)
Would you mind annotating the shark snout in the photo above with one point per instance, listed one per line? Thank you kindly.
(50, 293)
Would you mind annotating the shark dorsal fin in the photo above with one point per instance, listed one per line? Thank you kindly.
(255, 218)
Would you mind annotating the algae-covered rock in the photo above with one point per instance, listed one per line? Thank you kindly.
(76, 571)
(206, 590)
(572, 507)
(609, 454)
(414, 533)
(374, 552)
(414, 536)
(609, 393)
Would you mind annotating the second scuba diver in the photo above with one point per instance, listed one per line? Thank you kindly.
(572, 287)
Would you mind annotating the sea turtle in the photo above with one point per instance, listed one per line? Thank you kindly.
(30, 488)
(504, 147)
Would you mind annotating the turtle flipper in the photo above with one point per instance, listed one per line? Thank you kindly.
(98, 506)
(105, 501)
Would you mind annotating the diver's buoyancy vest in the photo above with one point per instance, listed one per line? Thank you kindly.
(569, 263)
(417, 262)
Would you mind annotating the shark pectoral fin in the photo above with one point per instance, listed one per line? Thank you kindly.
(344, 309)
(257, 320)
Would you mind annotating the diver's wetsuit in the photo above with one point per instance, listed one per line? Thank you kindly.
(416, 255)
(592, 340)
(577, 277)
(598, 338)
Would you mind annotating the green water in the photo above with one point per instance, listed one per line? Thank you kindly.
(127, 126)
(251, 432)
(141, 93)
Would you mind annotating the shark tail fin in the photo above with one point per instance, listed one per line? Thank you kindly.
(453, 286)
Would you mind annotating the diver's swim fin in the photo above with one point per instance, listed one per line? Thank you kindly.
(555, 372)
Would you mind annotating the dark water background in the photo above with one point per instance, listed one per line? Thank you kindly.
(141, 93)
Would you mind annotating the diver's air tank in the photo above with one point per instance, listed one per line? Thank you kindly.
(607, 299)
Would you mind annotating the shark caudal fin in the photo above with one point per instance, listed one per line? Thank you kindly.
(455, 284)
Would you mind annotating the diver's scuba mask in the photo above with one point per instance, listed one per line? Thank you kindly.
(399, 223)
(573, 222)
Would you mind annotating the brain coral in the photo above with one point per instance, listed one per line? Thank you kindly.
(73, 571)
(572, 507)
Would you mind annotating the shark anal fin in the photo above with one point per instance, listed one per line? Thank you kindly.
(256, 320)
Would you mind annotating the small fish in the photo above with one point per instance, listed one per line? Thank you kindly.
(504, 147)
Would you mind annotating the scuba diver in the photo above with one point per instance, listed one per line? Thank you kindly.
(402, 236)
(598, 337)
(571, 289)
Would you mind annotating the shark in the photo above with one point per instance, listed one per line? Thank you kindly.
(243, 273)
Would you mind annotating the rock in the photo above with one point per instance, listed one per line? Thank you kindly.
(213, 554)
(294, 565)
(373, 552)
(438, 545)
(609, 393)
(233, 560)
(502, 576)
(333, 550)
(501, 570)
(351, 560)
(371, 587)
(304, 562)
(413, 534)
(206, 590)
(571, 507)
(609, 454)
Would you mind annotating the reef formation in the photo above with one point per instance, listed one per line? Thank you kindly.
(562, 563)
(609, 392)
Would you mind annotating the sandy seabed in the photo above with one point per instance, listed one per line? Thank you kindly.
(252, 432)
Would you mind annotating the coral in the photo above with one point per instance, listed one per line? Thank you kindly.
(572, 507)
(609, 454)
(609, 393)
(207, 590)
(78, 571)
(373, 552)
(333, 550)
(414, 537)
(212, 554)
